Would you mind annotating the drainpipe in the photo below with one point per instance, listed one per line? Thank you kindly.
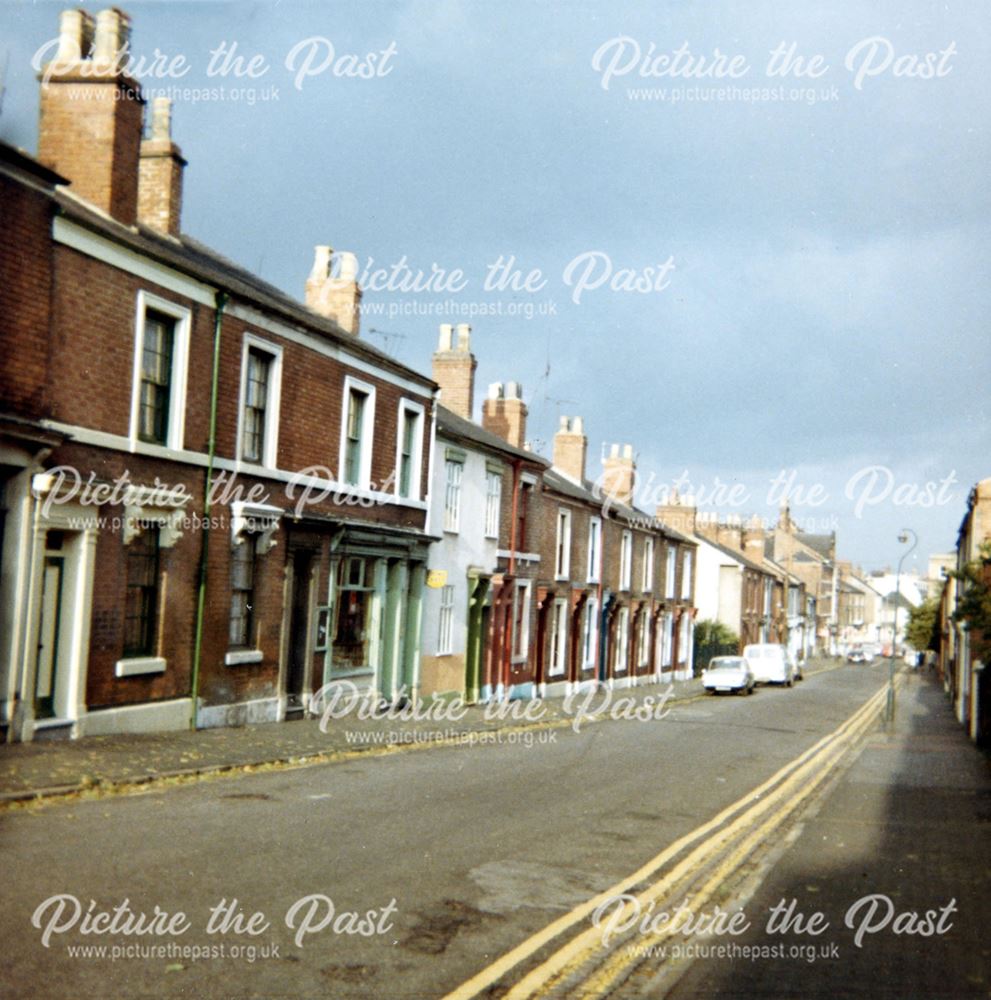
(221, 302)
(507, 650)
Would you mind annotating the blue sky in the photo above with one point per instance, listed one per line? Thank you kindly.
(828, 307)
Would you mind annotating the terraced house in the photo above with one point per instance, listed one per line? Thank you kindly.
(616, 599)
(479, 604)
(215, 497)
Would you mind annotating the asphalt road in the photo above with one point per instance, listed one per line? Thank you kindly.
(451, 856)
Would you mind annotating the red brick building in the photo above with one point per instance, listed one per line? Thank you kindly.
(214, 497)
(615, 596)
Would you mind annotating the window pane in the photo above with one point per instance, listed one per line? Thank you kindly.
(255, 405)
(242, 593)
(141, 600)
(154, 391)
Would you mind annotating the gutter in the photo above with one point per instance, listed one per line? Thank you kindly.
(221, 302)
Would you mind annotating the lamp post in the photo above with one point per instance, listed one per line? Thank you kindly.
(903, 537)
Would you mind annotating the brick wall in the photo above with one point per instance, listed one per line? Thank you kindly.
(25, 295)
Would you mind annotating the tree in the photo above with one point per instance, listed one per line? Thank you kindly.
(713, 638)
(709, 632)
(973, 608)
(921, 632)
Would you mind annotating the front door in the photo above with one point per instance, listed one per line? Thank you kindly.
(49, 629)
(299, 631)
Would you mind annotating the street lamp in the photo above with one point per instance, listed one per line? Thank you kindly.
(903, 537)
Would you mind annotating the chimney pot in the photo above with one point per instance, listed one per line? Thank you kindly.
(454, 370)
(337, 297)
(160, 173)
(113, 33)
(504, 413)
(90, 126)
(75, 37)
(571, 448)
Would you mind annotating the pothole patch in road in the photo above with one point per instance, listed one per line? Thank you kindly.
(436, 929)
(258, 796)
(348, 973)
(508, 886)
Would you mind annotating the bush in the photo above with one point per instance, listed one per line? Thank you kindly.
(712, 638)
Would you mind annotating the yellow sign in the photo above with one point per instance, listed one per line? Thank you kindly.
(436, 578)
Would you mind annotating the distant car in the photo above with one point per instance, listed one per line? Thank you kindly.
(728, 673)
(769, 663)
(856, 656)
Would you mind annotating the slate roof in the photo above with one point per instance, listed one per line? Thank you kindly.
(733, 554)
(822, 544)
(451, 425)
(205, 264)
(631, 515)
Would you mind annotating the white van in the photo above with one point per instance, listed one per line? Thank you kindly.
(769, 663)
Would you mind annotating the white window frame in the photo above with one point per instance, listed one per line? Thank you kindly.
(626, 560)
(643, 638)
(686, 575)
(493, 502)
(272, 404)
(647, 581)
(174, 438)
(445, 621)
(667, 640)
(452, 512)
(367, 432)
(621, 649)
(562, 544)
(670, 570)
(594, 549)
(520, 649)
(684, 637)
(559, 638)
(590, 633)
(416, 469)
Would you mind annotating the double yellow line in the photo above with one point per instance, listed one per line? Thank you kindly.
(734, 833)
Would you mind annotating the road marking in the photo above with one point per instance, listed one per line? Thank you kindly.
(808, 778)
(505, 963)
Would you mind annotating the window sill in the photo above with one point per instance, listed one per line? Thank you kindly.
(136, 666)
(237, 657)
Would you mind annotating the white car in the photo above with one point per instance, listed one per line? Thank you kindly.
(769, 663)
(728, 673)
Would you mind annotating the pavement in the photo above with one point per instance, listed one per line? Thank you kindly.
(896, 859)
(62, 767)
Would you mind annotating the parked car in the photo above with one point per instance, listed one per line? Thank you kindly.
(728, 673)
(856, 655)
(769, 663)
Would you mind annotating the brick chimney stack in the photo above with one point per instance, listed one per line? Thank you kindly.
(679, 513)
(454, 369)
(160, 173)
(785, 522)
(504, 413)
(91, 112)
(571, 449)
(335, 296)
(753, 539)
(619, 472)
